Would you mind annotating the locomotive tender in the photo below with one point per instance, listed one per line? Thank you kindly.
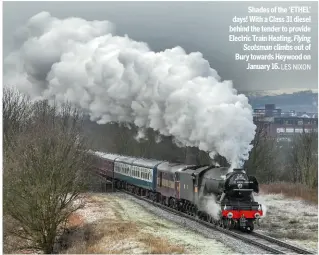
(186, 187)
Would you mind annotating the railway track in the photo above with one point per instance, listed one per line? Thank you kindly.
(264, 242)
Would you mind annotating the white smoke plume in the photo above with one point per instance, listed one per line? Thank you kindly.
(210, 206)
(116, 79)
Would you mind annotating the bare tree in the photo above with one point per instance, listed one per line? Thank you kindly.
(16, 112)
(45, 174)
(262, 160)
(304, 159)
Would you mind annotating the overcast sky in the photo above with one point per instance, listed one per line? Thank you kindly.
(195, 26)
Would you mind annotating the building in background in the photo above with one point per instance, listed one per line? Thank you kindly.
(269, 111)
(285, 125)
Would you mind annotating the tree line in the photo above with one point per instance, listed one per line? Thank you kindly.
(269, 160)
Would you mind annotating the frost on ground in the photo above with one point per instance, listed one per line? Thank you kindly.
(113, 224)
(294, 221)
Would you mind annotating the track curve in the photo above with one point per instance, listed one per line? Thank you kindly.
(264, 242)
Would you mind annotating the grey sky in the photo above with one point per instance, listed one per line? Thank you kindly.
(195, 26)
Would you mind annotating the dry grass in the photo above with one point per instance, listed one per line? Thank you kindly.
(294, 190)
(75, 220)
(12, 243)
(104, 237)
(112, 236)
(156, 245)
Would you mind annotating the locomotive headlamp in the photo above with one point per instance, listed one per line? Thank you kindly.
(230, 215)
(257, 215)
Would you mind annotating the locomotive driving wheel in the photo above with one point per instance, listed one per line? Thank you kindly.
(225, 223)
(230, 224)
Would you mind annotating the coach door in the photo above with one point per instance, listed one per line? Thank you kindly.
(159, 179)
(177, 185)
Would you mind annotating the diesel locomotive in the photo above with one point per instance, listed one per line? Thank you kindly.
(187, 187)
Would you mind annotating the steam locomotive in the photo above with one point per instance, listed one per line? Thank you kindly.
(187, 188)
